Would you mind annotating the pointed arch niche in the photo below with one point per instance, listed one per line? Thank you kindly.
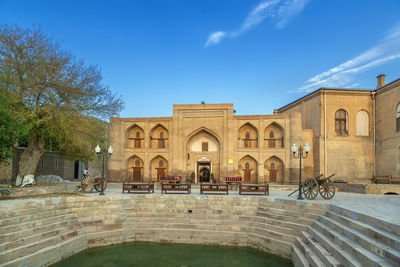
(248, 169)
(158, 167)
(159, 137)
(274, 136)
(135, 169)
(248, 136)
(200, 145)
(135, 137)
(274, 170)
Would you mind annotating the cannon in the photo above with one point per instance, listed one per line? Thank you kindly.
(312, 186)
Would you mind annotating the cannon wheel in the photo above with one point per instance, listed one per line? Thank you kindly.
(310, 188)
(97, 184)
(87, 184)
(327, 189)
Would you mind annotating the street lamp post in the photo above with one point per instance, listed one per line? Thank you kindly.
(103, 155)
(300, 155)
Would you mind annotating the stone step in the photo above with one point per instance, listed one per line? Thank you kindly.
(304, 221)
(326, 257)
(298, 258)
(371, 244)
(29, 211)
(270, 245)
(289, 225)
(389, 239)
(235, 210)
(32, 217)
(186, 220)
(21, 251)
(272, 234)
(50, 254)
(272, 227)
(37, 237)
(366, 257)
(375, 222)
(295, 214)
(312, 259)
(10, 237)
(297, 207)
(36, 223)
(344, 257)
(188, 226)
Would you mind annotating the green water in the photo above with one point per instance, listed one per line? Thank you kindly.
(182, 255)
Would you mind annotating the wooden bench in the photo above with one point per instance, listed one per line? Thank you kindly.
(233, 180)
(175, 188)
(138, 188)
(214, 188)
(388, 179)
(254, 189)
(170, 179)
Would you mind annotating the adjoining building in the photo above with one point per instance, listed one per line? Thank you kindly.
(353, 133)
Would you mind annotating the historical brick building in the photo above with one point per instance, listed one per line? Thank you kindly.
(353, 133)
(207, 139)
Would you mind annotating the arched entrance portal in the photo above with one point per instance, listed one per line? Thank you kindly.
(203, 156)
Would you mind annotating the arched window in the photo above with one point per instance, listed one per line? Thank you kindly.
(341, 119)
(161, 141)
(161, 164)
(137, 135)
(362, 123)
(137, 163)
(398, 118)
(272, 166)
(247, 135)
(271, 134)
(138, 141)
(247, 166)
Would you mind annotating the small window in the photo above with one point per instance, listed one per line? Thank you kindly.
(247, 166)
(57, 163)
(137, 135)
(271, 134)
(161, 164)
(42, 163)
(204, 146)
(247, 136)
(137, 163)
(398, 118)
(341, 120)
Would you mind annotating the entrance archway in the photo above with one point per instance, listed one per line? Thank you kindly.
(204, 174)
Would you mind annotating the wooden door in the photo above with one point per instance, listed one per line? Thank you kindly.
(271, 143)
(272, 176)
(137, 174)
(160, 172)
(138, 143)
(247, 175)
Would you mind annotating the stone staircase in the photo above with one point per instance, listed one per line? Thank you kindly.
(36, 233)
(344, 238)
(39, 236)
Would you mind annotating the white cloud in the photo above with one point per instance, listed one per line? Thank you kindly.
(281, 10)
(340, 76)
(214, 38)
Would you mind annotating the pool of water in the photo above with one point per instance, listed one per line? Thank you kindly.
(182, 255)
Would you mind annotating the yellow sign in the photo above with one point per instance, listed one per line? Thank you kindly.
(230, 160)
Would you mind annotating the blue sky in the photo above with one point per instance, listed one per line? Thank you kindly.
(259, 55)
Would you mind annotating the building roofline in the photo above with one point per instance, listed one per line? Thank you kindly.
(318, 91)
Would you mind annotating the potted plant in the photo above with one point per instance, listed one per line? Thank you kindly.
(192, 176)
(212, 178)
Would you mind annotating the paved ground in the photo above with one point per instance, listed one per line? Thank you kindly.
(384, 207)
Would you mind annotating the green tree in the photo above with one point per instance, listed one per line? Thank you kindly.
(60, 100)
(8, 132)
